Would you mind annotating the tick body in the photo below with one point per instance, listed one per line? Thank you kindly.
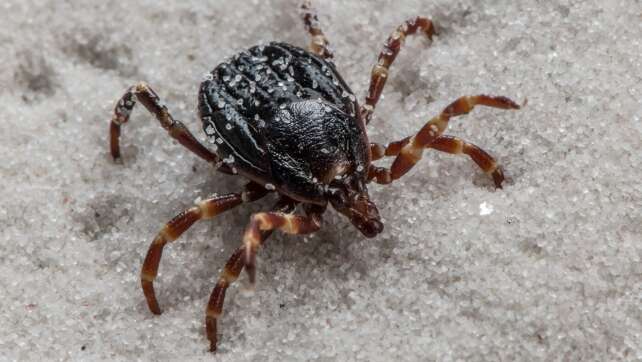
(283, 118)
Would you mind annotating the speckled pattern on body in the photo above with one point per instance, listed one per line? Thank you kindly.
(249, 106)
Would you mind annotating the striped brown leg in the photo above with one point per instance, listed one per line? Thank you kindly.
(176, 129)
(268, 221)
(485, 161)
(410, 150)
(205, 209)
(319, 44)
(229, 274)
(390, 51)
(448, 144)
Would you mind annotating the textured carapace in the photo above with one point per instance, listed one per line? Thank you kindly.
(284, 118)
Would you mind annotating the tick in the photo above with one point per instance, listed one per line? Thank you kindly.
(284, 118)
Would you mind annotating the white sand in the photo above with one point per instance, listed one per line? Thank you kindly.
(549, 268)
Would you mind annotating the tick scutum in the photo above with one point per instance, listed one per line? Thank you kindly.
(283, 116)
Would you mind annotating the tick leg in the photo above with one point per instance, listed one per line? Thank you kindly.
(176, 129)
(485, 161)
(229, 274)
(214, 310)
(319, 44)
(205, 209)
(409, 150)
(269, 221)
(387, 56)
(452, 145)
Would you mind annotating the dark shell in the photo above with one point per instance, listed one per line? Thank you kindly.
(284, 117)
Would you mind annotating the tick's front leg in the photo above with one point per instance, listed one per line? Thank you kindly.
(409, 150)
(448, 144)
(230, 273)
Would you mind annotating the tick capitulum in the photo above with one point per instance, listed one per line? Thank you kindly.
(284, 118)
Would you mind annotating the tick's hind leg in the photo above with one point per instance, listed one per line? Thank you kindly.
(176, 129)
(230, 273)
(390, 51)
(452, 145)
(409, 150)
(205, 209)
(319, 44)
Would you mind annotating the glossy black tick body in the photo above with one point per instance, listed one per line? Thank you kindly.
(284, 118)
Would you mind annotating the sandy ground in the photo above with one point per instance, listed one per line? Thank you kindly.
(546, 269)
